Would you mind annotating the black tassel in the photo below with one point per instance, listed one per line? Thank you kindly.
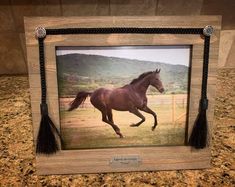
(46, 140)
(198, 138)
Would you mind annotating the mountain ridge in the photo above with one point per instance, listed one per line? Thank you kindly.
(101, 71)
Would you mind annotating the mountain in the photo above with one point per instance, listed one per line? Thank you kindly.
(88, 72)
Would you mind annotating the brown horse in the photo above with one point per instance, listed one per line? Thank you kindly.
(131, 97)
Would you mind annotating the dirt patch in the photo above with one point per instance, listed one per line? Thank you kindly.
(17, 158)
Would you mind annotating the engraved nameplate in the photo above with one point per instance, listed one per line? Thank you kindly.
(125, 161)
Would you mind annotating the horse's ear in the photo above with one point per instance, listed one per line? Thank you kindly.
(158, 70)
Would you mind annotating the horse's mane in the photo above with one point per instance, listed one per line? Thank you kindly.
(141, 77)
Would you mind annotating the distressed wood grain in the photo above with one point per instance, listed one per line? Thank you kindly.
(153, 158)
(227, 49)
(85, 7)
(12, 58)
(24, 8)
(225, 8)
(132, 7)
(179, 7)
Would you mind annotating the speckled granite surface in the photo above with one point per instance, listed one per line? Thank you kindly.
(17, 159)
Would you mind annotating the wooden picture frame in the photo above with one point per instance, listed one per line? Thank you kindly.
(136, 158)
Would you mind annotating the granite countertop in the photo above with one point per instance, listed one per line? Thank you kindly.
(17, 158)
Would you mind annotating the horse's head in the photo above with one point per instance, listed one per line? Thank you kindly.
(156, 82)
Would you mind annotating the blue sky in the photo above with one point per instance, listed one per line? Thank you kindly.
(166, 54)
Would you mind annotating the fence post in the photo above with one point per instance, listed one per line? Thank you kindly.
(173, 108)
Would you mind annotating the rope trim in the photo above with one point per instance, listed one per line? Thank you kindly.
(124, 30)
(42, 70)
(127, 30)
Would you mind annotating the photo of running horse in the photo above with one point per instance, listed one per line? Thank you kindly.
(131, 97)
(123, 96)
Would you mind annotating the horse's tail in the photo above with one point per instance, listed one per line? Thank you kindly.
(80, 98)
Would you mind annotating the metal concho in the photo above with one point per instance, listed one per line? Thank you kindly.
(40, 32)
(208, 30)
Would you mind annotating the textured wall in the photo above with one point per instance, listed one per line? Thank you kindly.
(12, 42)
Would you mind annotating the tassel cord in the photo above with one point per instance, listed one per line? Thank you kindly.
(119, 30)
(46, 141)
(198, 138)
(204, 101)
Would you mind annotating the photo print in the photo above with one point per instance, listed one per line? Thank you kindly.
(123, 96)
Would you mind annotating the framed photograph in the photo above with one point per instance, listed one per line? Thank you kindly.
(122, 101)
(155, 77)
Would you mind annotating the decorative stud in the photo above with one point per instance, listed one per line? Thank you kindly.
(40, 32)
(208, 30)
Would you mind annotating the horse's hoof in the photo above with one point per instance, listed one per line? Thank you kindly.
(121, 136)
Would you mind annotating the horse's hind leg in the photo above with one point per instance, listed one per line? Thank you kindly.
(110, 115)
(106, 113)
(137, 113)
(110, 122)
(115, 127)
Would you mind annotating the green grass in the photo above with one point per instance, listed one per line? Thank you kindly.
(83, 128)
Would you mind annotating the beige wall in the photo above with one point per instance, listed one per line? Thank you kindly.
(12, 42)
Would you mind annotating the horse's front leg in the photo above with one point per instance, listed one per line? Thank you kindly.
(148, 110)
(137, 113)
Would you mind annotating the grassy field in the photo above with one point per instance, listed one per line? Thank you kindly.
(83, 127)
